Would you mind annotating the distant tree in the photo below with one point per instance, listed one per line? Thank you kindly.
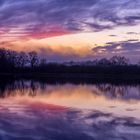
(12, 57)
(3, 59)
(139, 63)
(43, 62)
(33, 59)
(23, 60)
(95, 62)
(12, 61)
(104, 62)
(119, 60)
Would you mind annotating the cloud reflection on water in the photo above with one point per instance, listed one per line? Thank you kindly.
(79, 112)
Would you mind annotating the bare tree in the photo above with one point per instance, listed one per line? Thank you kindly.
(119, 60)
(23, 59)
(104, 62)
(33, 57)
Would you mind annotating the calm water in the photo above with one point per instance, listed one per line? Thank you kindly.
(40, 111)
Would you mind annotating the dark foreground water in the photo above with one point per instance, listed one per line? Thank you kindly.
(40, 111)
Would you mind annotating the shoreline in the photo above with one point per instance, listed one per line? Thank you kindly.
(72, 76)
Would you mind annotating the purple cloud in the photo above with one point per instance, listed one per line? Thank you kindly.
(129, 48)
(71, 15)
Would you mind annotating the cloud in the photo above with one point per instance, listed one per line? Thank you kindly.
(58, 16)
(68, 55)
(113, 35)
(129, 48)
(119, 47)
(132, 33)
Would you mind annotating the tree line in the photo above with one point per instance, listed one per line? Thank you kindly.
(12, 61)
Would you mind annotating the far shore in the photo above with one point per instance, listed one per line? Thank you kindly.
(74, 76)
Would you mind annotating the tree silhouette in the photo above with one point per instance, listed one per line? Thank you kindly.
(119, 60)
(33, 59)
(104, 62)
(23, 60)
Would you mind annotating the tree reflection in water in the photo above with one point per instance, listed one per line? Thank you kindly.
(26, 112)
(31, 87)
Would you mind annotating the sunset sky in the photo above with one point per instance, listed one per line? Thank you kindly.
(72, 29)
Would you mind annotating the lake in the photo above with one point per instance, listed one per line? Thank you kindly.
(32, 110)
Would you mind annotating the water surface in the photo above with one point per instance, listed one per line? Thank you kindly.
(32, 110)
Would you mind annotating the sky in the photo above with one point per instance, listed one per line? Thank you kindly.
(65, 30)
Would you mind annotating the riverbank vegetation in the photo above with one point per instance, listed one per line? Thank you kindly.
(26, 63)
